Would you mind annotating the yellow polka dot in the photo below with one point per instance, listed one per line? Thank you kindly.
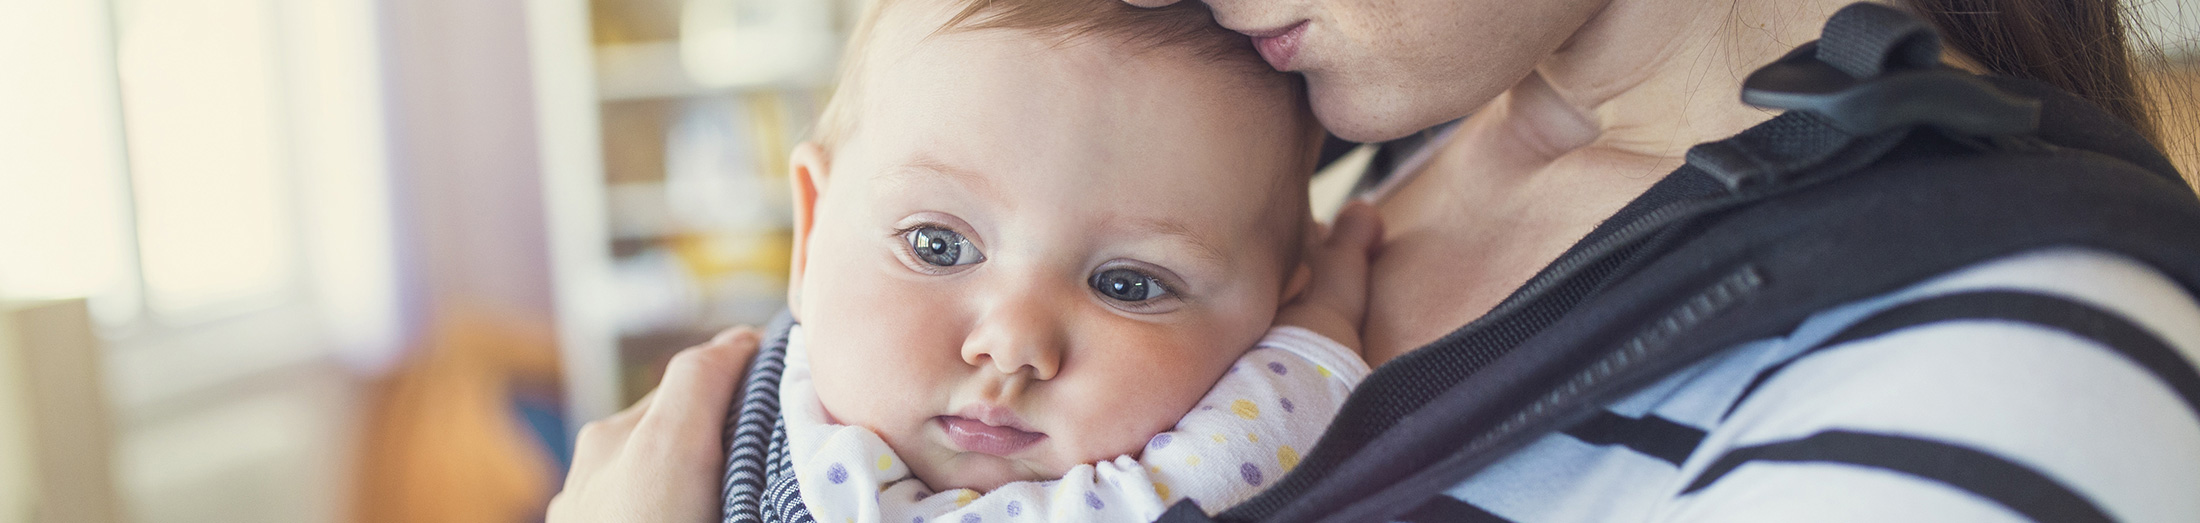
(1155, 469)
(1161, 489)
(964, 497)
(1191, 461)
(1252, 437)
(1288, 457)
(1245, 409)
(1220, 439)
(885, 462)
(1324, 370)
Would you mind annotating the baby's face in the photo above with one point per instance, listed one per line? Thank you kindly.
(1031, 257)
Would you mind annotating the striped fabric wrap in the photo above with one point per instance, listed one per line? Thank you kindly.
(759, 484)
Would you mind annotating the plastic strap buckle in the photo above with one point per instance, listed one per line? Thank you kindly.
(1935, 96)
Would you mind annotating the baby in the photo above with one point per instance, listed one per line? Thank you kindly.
(1040, 250)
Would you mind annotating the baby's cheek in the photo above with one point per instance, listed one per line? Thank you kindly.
(858, 390)
(1136, 406)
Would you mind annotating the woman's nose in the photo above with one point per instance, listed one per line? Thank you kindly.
(1025, 331)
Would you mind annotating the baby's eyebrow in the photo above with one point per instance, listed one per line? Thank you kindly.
(922, 166)
(1202, 246)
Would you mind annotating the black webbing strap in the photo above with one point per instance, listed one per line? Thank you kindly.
(1876, 39)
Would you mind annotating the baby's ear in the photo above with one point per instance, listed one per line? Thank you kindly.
(810, 167)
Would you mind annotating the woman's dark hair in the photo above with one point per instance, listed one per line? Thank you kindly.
(2078, 46)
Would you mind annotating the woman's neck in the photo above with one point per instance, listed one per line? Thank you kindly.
(1601, 119)
(1655, 77)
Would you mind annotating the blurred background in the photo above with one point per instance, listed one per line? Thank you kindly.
(375, 260)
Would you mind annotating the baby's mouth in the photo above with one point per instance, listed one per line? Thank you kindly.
(974, 435)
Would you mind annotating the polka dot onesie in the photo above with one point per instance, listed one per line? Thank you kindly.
(1249, 429)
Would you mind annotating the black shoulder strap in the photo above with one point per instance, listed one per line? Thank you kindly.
(1888, 169)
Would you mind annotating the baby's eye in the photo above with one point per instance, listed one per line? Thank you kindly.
(1127, 285)
(942, 247)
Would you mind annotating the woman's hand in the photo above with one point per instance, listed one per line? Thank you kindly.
(660, 460)
(1333, 302)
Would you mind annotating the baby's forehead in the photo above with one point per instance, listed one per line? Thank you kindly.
(1105, 118)
(1186, 32)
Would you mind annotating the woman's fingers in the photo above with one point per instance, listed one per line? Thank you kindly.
(659, 459)
(600, 440)
(699, 384)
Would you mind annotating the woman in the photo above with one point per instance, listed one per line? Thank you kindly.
(1566, 111)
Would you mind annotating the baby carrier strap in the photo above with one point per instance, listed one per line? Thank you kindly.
(1887, 169)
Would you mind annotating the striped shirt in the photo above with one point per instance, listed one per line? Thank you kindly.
(1865, 413)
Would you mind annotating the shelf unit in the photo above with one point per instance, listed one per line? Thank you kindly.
(665, 131)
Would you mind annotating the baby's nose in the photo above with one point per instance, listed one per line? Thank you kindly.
(1014, 337)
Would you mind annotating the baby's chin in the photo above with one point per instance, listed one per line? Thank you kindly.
(978, 471)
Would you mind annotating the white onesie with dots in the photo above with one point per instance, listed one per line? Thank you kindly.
(1249, 429)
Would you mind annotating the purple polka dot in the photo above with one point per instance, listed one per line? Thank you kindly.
(836, 474)
(1161, 441)
(1206, 407)
(1251, 473)
(972, 518)
(1287, 405)
(1234, 368)
(919, 496)
(918, 519)
(1278, 368)
(1093, 500)
(1014, 508)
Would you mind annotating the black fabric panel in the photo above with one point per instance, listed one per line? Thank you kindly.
(1650, 435)
(1864, 235)
(2102, 327)
(2017, 487)
(1446, 509)
(1405, 384)
(1184, 511)
(2076, 123)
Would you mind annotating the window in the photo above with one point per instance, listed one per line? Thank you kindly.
(212, 174)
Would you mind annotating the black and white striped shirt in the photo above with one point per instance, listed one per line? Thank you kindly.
(2079, 407)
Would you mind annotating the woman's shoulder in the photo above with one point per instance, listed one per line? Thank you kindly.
(2076, 322)
(2058, 380)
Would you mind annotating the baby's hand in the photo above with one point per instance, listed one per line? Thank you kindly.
(1334, 302)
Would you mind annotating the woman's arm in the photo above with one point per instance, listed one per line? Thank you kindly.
(660, 460)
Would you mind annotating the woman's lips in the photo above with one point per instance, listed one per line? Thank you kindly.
(1279, 46)
(977, 436)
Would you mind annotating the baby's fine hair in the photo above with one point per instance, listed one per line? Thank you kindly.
(1185, 26)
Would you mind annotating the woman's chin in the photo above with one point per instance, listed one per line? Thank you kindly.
(1358, 116)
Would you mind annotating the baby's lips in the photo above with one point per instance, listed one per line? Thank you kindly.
(976, 436)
